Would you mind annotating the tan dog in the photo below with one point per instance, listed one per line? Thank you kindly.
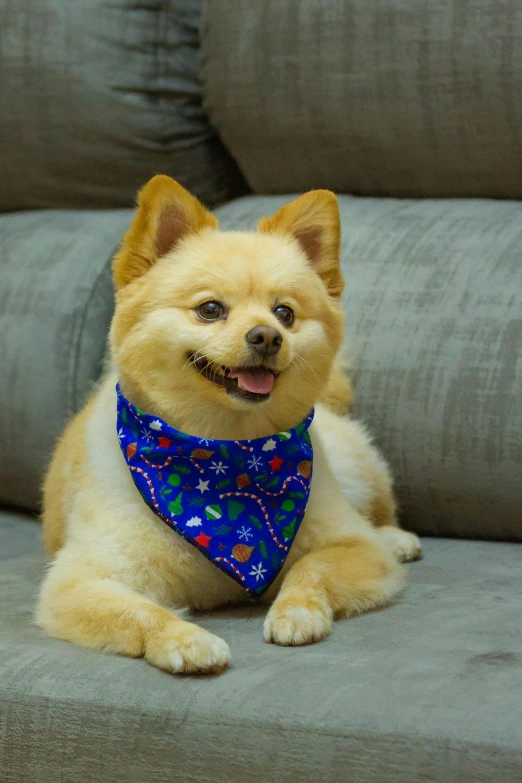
(186, 297)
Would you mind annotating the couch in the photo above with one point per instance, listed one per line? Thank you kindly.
(412, 112)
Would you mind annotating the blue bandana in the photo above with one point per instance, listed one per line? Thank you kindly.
(239, 502)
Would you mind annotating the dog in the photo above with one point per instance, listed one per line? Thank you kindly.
(220, 335)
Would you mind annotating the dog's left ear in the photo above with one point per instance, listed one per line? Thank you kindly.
(313, 220)
(166, 214)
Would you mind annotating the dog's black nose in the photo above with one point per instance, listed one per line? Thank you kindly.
(264, 340)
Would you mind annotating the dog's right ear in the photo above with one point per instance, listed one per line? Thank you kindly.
(166, 214)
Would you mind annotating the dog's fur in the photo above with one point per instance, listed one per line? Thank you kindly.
(118, 573)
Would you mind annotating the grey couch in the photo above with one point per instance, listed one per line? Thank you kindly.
(411, 109)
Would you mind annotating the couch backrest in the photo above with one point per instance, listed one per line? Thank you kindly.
(96, 97)
(395, 97)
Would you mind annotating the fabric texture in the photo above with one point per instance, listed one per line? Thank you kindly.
(426, 690)
(240, 503)
(99, 96)
(433, 305)
(56, 302)
(391, 97)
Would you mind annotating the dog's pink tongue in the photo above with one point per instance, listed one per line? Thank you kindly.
(257, 381)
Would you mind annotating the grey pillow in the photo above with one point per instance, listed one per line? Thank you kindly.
(398, 97)
(97, 97)
(56, 302)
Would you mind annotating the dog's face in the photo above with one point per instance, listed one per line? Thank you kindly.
(213, 330)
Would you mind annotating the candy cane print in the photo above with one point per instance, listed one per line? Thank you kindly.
(263, 509)
(232, 566)
(275, 494)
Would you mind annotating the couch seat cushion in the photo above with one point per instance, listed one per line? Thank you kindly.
(425, 690)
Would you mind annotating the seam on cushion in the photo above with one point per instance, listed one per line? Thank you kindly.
(73, 385)
(207, 108)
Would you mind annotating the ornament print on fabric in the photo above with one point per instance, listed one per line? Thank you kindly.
(239, 502)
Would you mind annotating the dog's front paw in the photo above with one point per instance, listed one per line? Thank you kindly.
(404, 545)
(295, 622)
(185, 648)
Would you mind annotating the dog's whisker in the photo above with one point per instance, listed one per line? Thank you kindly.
(307, 364)
(194, 358)
(189, 361)
(299, 364)
(298, 367)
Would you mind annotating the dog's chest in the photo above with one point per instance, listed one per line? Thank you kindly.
(157, 560)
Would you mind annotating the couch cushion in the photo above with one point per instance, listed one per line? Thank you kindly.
(434, 330)
(426, 690)
(401, 98)
(56, 302)
(99, 96)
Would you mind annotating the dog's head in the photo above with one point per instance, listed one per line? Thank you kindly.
(231, 334)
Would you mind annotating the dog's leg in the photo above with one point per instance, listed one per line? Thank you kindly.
(341, 578)
(107, 614)
(358, 462)
(405, 546)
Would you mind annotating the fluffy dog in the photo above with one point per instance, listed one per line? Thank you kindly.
(222, 335)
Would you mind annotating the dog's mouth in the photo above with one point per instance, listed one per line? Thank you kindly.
(254, 383)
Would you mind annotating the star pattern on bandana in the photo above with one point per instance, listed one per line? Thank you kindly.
(203, 540)
(275, 463)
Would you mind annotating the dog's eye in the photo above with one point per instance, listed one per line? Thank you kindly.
(285, 315)
(210, 311)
